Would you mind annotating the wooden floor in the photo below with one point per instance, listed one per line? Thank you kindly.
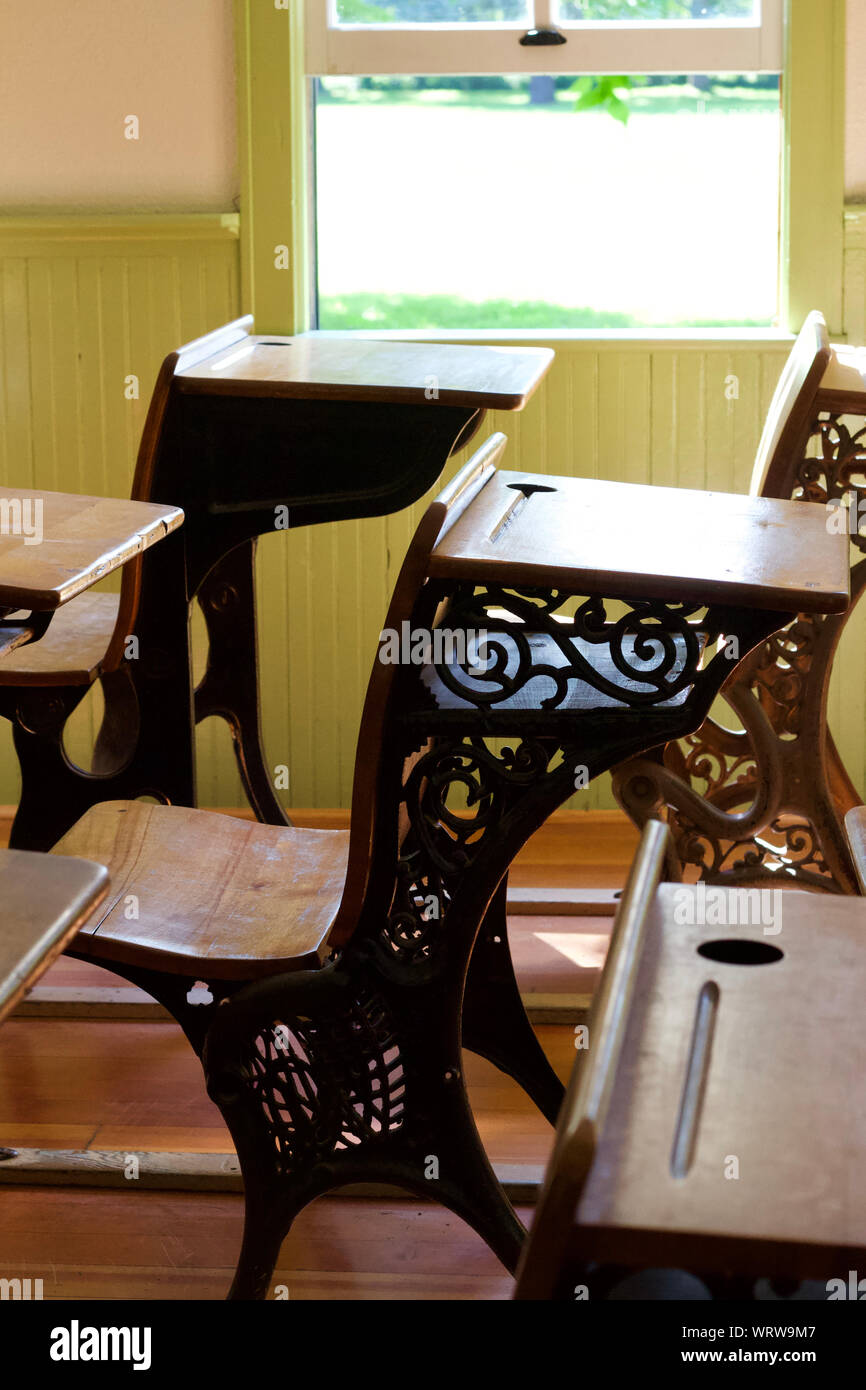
(134, 1086)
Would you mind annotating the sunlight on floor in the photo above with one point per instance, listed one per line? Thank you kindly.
(586, 950)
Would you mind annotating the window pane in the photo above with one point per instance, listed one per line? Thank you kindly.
(573, 11)
(433, 11)
(489, 202)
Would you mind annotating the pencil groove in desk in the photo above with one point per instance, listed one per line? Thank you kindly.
(695, 1083)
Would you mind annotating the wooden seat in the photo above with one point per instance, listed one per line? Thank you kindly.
(74, 648)
(703, 1129)
(224, 897)
(746, 803)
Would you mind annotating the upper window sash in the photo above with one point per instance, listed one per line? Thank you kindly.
(648, 46)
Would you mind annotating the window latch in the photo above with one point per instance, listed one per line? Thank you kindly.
(542, 38)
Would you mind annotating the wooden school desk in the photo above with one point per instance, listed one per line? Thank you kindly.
(54, 545)
(716, 1123)
(767, 792)
(321, 427)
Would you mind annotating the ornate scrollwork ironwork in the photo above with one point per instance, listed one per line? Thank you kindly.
(788, 849)
(756, 802)
(646, 655)
(444, 839)
(327, 1082)
(780, 669)
(833, 474)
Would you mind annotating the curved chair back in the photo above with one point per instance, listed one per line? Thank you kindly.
(146, 461)
(792, 410)
(368, 802)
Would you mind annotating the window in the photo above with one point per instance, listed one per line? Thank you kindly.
(467, 181)
(484, 36)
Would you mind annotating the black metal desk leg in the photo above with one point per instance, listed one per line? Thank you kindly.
(495, 1023)
(230, 687)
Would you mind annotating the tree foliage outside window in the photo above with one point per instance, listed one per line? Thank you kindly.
(572, 11)
(604, 94)
(431, 12)
(513, 11)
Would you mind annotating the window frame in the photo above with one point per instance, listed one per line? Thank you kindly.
(275, 129)
(649, 46)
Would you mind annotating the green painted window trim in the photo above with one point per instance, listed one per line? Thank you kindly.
(813, 163)
(275, 213)
(272, 122)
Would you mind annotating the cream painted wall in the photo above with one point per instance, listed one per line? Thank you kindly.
(69, 75)
(855, 100)
(71, 72)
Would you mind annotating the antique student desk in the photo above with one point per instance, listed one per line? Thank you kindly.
(55, 545)
(251, 434)
(663, 573)
(602, 606)
(746, 803)
(326, 429)
(81, 540)
(717, 1121)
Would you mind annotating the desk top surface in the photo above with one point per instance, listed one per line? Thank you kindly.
(772, 1145)
(53, 545)
(311, 366)
(44, 900)
(634, 541)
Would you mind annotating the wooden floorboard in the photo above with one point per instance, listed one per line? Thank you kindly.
(106, 1244)
(137, 1087)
